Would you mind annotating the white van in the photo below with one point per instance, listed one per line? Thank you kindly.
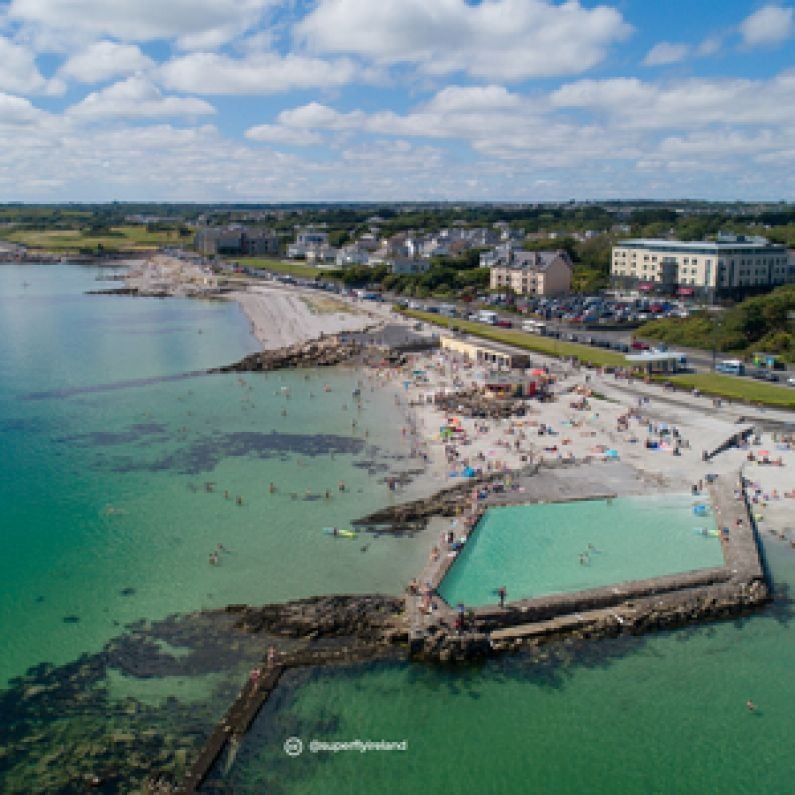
(534, 326)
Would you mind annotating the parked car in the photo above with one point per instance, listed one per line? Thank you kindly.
(502, 323)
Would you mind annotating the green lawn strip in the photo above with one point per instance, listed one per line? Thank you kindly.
(72, 240)
(521, 339)
(729, 386)
(299, 269)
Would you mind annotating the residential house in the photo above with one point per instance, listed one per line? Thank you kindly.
(536, 273)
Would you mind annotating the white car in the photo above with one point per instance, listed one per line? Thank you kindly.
(791, 380)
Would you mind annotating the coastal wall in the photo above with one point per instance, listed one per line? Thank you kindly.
(636, 606)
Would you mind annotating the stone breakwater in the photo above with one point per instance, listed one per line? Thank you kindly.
(324, 352)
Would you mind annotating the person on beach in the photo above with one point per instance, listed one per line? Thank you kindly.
(271, 656)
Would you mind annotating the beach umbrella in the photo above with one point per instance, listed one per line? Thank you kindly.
(469, 472)
(612, 453)
(764, 453)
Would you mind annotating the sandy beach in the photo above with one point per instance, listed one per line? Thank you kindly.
(631, 430)
(282, 315)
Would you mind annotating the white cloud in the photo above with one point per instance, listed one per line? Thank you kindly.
(16, 111)
(471, 98)
(18, 70)
(499, 39)
(666, 53)
(693, 103)
(196, 23)
(281, 134)
(136, 97)
(770, 25)
(210, 73)
(104, 60)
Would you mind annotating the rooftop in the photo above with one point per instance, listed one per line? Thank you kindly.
(723, 243)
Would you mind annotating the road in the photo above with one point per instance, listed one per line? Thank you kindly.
(698, 360)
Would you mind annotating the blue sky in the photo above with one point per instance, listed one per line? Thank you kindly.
(393, 100)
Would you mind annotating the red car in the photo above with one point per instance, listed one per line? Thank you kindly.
(637, 345)
(504, 324)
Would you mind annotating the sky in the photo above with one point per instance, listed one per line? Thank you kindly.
(396, 100)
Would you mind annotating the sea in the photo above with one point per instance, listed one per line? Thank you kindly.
(121, 465)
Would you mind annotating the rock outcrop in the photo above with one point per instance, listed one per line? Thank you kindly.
(324, 352)
(370, 617)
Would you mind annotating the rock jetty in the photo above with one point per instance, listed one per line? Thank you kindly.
(323, 352)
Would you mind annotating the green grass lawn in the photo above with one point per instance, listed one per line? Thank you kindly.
(521, 339)
(66, 241)
(729, 386)
(299, 269)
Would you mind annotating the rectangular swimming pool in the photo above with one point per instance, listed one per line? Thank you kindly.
(537, 550)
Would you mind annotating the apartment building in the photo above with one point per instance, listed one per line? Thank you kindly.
(533, 272)
(729, 265)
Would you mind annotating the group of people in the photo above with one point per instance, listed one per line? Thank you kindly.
(215, 555)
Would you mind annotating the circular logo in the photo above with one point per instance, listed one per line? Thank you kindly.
(293, 746)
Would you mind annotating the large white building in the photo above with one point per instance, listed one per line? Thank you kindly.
(731, 264)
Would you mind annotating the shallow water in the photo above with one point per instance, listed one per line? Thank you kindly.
(106, 514)
(535, 550)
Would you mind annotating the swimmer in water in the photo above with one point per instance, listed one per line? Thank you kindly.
(213, 558)
(584, 559)
(750, 706)
(271, 487)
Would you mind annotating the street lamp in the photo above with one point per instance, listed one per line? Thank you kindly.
(716, 322)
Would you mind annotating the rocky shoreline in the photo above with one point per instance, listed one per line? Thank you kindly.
(323, 352)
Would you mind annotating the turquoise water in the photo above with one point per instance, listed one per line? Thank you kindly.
(660, 714)
(106, 518)
(535, 550)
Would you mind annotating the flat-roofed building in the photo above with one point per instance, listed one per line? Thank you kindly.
(485, 352)
(235, 241)
(729, 265)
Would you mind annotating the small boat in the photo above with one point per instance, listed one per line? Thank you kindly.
(340, 533)
(704, 531)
